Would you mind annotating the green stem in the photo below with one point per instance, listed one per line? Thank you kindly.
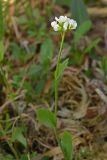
(28, 156)
(9, 143)
(57, 70)
(4, 80)
(56, 135)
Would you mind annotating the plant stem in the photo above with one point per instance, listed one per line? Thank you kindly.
(28, 156)
(9, 143)
(57, 70)
(56, 81)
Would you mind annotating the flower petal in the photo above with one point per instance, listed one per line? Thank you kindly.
(53, 23)
(65, 26)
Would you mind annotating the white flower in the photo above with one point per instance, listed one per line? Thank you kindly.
(61, 19)
(63, 24)
(72, 24)
(55, 25)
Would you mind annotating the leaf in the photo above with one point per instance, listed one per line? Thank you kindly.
(40, 86)
(8, 124)
(61, 69)
(16, 80)
(45, 158)
(18, 135)
(78, 57)
(82, 29)
(63, 2)
(22, 20)
(104, 65)
(1, 31)
(79, 11)
(66, 145)
(17, 52)
(1, 21)
(24, 157)
(1, 51)
(2, 77)
(6, 156)
(46, 52)
(92, 45)
(34, 71)
(46, 118)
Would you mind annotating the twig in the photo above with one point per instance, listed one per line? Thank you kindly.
(97, 11)
(102, 95)
(10, 101)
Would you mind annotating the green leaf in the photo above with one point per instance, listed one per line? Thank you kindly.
(78, 57)
(63, 2)
(92, 45)
(8, 124)
(82, 29)
(17, 134)
(23, 20)
(61, 69)
(16, 80)
(1, 51)
(40, 86)
(46, 52)
(24, 157)
(2, 77)
(66, 145)
(79, 12)
(1, 21)
(17, 52)
(104, 65)
(34, 71)
(46, 118)
(6, 156)
(1, 31)
(45, 158)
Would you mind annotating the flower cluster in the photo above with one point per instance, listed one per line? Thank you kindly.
(63, 24)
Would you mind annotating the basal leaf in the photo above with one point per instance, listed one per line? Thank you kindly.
(46, 118)
(46, 52)
(34, 71)
(104, 65)
(64, 2)
(1, 31)
(82, 29)
(92, 45)
(1, 51)
(40, 86)
(79, 11)
(17, 134)
(24, 157)
(1, 21)
(66, 145)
